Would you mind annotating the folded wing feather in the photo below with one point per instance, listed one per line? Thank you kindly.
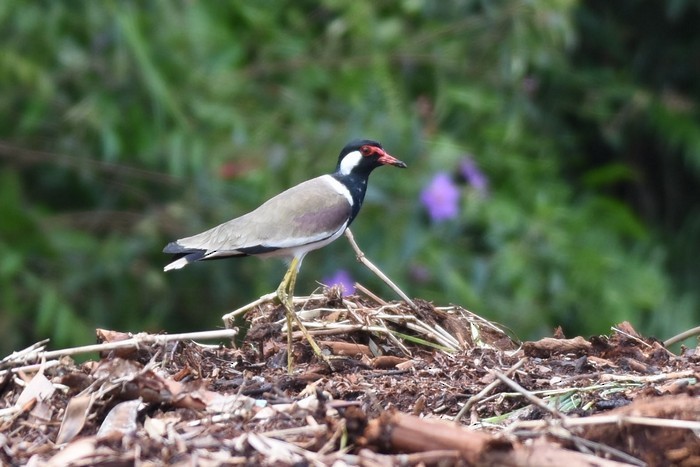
(305, 214)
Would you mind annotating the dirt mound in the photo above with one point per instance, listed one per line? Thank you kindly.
(408, 384)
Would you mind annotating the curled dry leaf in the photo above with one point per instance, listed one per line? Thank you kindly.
(121, 420)
(74, 418)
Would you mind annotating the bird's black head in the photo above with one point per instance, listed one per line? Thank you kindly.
(362, 156)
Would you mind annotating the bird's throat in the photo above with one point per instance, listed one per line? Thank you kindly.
(357, 186)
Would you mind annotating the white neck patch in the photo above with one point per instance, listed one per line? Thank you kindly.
(339, 187)
(349, 162)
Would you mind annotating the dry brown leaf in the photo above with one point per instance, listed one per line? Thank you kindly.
(121, 420)
(37, 394)
(73, 452)
(74, 419)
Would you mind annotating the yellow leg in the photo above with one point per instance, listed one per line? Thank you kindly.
(285, 294)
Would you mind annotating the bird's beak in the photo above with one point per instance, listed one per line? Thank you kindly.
(387, 159)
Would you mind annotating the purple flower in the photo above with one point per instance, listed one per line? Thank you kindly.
(343, 279)
(473, 175)
(441, 198)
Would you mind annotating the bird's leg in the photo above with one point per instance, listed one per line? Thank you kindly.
(286, 298)
(290, 354)
(285, 294)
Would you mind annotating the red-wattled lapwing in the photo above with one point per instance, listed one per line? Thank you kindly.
(301, 219)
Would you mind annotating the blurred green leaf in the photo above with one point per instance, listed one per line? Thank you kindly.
(128, 124)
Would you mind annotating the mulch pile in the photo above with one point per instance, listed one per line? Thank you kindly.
(419, 385)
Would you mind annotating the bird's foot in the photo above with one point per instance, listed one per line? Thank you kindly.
(293, 317)
(285, 295)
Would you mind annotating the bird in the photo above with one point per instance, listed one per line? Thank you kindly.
(301, 219)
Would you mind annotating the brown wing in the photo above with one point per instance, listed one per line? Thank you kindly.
(307, 213)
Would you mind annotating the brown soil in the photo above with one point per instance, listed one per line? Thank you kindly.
(386, 399)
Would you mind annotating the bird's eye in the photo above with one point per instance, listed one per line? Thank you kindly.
(366, 150)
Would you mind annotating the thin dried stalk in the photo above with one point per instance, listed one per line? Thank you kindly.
(25, 354)
(630, 336)
(363, 259)
(570, 422)
(528, 395)
(682, 336)
(138, 340)
(487, 390)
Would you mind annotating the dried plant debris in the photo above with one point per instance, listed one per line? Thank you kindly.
(409, 384)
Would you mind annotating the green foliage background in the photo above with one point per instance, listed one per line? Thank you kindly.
(126, 124)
